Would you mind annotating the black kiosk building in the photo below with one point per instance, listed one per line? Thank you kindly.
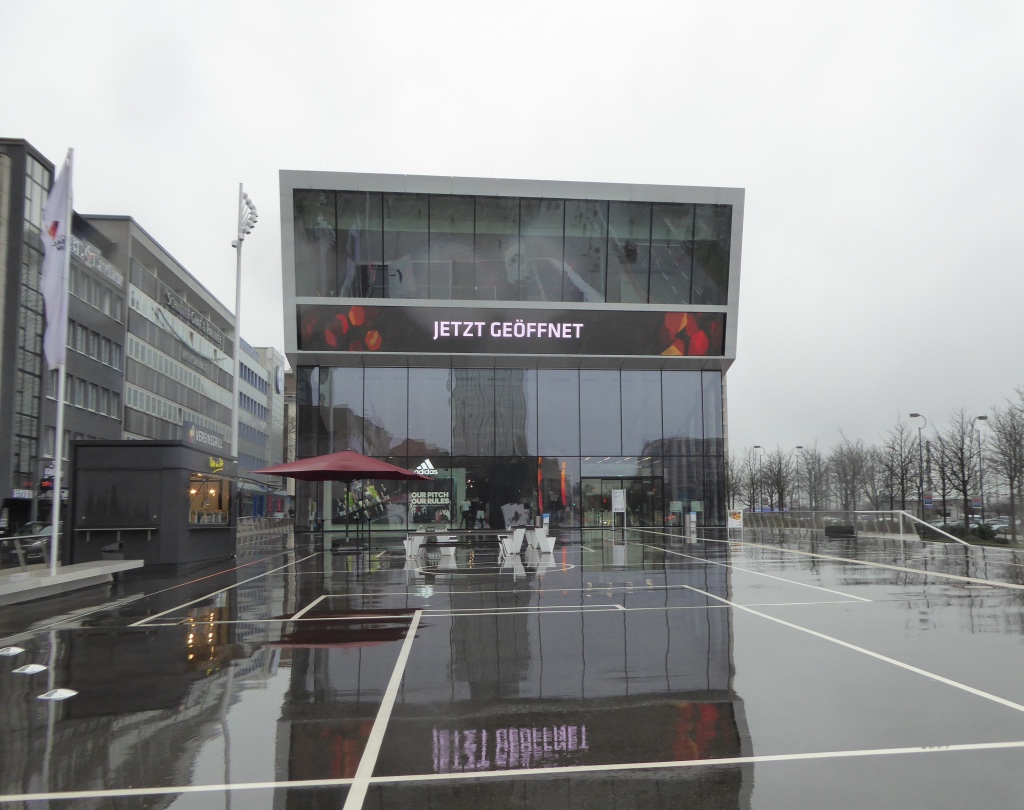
(165, 502)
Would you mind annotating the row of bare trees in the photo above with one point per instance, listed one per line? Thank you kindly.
(954, 462)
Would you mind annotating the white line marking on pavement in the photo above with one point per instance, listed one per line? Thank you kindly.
(757, 573)
(308, 607)
(148, 619)
(368, 761)
(543, 772)
(902, 665)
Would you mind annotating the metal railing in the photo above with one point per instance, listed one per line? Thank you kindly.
(251, 525)
(886, 523)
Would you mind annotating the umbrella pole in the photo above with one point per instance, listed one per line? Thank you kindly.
(348, 500)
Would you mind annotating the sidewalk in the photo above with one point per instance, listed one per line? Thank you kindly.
(36, 582)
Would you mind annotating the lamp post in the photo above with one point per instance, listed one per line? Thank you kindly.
(247, 216)
(760, 478)
(981, 472)
(920, 462)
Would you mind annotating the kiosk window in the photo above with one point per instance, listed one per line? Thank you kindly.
(208, 499)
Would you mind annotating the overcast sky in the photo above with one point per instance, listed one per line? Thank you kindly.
(880, 145)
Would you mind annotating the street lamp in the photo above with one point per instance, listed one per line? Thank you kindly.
(920, 462)
(247, 216)
(981, 472)
(760, 478)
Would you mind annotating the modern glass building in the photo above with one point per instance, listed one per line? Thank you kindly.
(529, 345)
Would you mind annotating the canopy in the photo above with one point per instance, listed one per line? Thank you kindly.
(347, 466)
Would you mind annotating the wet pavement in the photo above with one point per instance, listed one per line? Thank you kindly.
(645, 672)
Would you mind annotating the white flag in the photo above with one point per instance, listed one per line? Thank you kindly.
(53, 277)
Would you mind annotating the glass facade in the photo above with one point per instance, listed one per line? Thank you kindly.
(366, 244)
(552, 441)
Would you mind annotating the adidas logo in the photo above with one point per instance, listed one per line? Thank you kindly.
(426, 468)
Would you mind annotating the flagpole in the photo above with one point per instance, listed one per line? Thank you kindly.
(58, 442)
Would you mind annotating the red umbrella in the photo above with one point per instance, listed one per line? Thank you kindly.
(347, 466)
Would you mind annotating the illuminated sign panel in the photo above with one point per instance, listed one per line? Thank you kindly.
(450, 330)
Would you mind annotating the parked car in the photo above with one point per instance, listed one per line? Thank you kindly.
(37, 536)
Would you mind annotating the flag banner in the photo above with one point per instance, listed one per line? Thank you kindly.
(53, 281)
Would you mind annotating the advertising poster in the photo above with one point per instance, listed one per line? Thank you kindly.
(456, 330)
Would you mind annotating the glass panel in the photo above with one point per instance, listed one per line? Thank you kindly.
(451, 248)
(629, 252)
(473, 411)
(316, 253)
(641, 413)
(360, 261)
(671, 253)
(601, 419)
(312, 436)
(712, 236)
(406, 245)
(385, 410)
(346, 415)
(560, 489)
(714, 492)
(683, 413)
(497, 248)
(209, 499)
(558, 412)
(430, 418)
(540, 271)
(713, 430)
(515, 411)
(586, 246)
(684, 481)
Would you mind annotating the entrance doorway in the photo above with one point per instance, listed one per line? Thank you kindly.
(643, 501)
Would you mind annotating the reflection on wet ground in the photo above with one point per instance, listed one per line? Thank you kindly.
(768, 671)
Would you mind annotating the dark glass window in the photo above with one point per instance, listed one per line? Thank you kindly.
(515, 411)
(641, 413)
(406, 240)
(430, 414)
(712, 236)
(360, 258)
(682, 412)
(497, 248)
(629, 252)
(713, 429)
(473, 411)
(316, 243)
(540, 264)
(600, 413)
(558, 412)
(586, 246)
(560, 489)
(452, 274)
(346, 409)
(385, 409)
(671, 253)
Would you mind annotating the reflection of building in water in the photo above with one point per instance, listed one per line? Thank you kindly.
(501, 685)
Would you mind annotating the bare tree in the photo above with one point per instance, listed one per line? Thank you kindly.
(749, 477)
(733, 481)
(778, 477)
(847, 463)
(960, 457)
(877, 481)
(901, 459)
(813, 476)
(1006, 457)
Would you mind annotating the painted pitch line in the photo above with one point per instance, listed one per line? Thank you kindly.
(864, 651)
(996, 583)
(368, 760)
(758, 573)
(308, 607)
(513, 773)
(148, 619)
